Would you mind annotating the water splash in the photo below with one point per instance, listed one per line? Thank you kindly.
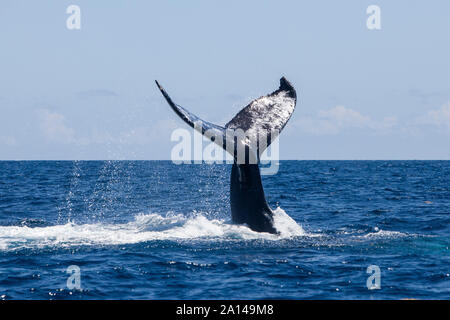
(144, 227)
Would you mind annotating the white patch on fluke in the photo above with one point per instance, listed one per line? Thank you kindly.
(265, 115)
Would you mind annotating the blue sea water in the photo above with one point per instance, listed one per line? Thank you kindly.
(156, 230)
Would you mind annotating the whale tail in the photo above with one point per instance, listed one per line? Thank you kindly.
(254, 127)
(245, 137)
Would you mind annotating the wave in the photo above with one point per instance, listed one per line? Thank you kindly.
(379, 234)
(144, 227)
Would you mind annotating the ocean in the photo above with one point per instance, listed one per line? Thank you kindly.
(156, 230)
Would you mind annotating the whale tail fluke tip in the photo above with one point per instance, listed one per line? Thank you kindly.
(285, 85)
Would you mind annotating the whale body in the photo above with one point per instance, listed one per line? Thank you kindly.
(245, 137)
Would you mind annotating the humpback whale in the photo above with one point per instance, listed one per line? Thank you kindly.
(257, 124)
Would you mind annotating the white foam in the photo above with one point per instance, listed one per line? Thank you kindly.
(286, 225)
(144, 227)
(384, 234)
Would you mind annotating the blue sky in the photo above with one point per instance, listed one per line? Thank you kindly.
(89, 93)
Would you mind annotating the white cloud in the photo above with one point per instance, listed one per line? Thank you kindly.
(8, 140)
(54, 128)
(334, 120)
(344, 117)
(438, 117)
(155, 132)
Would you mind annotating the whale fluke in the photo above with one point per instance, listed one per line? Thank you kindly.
(267, 115)
(261, 120)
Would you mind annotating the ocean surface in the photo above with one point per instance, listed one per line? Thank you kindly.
(156, 230)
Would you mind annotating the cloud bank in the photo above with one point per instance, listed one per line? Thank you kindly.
(337, 119)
